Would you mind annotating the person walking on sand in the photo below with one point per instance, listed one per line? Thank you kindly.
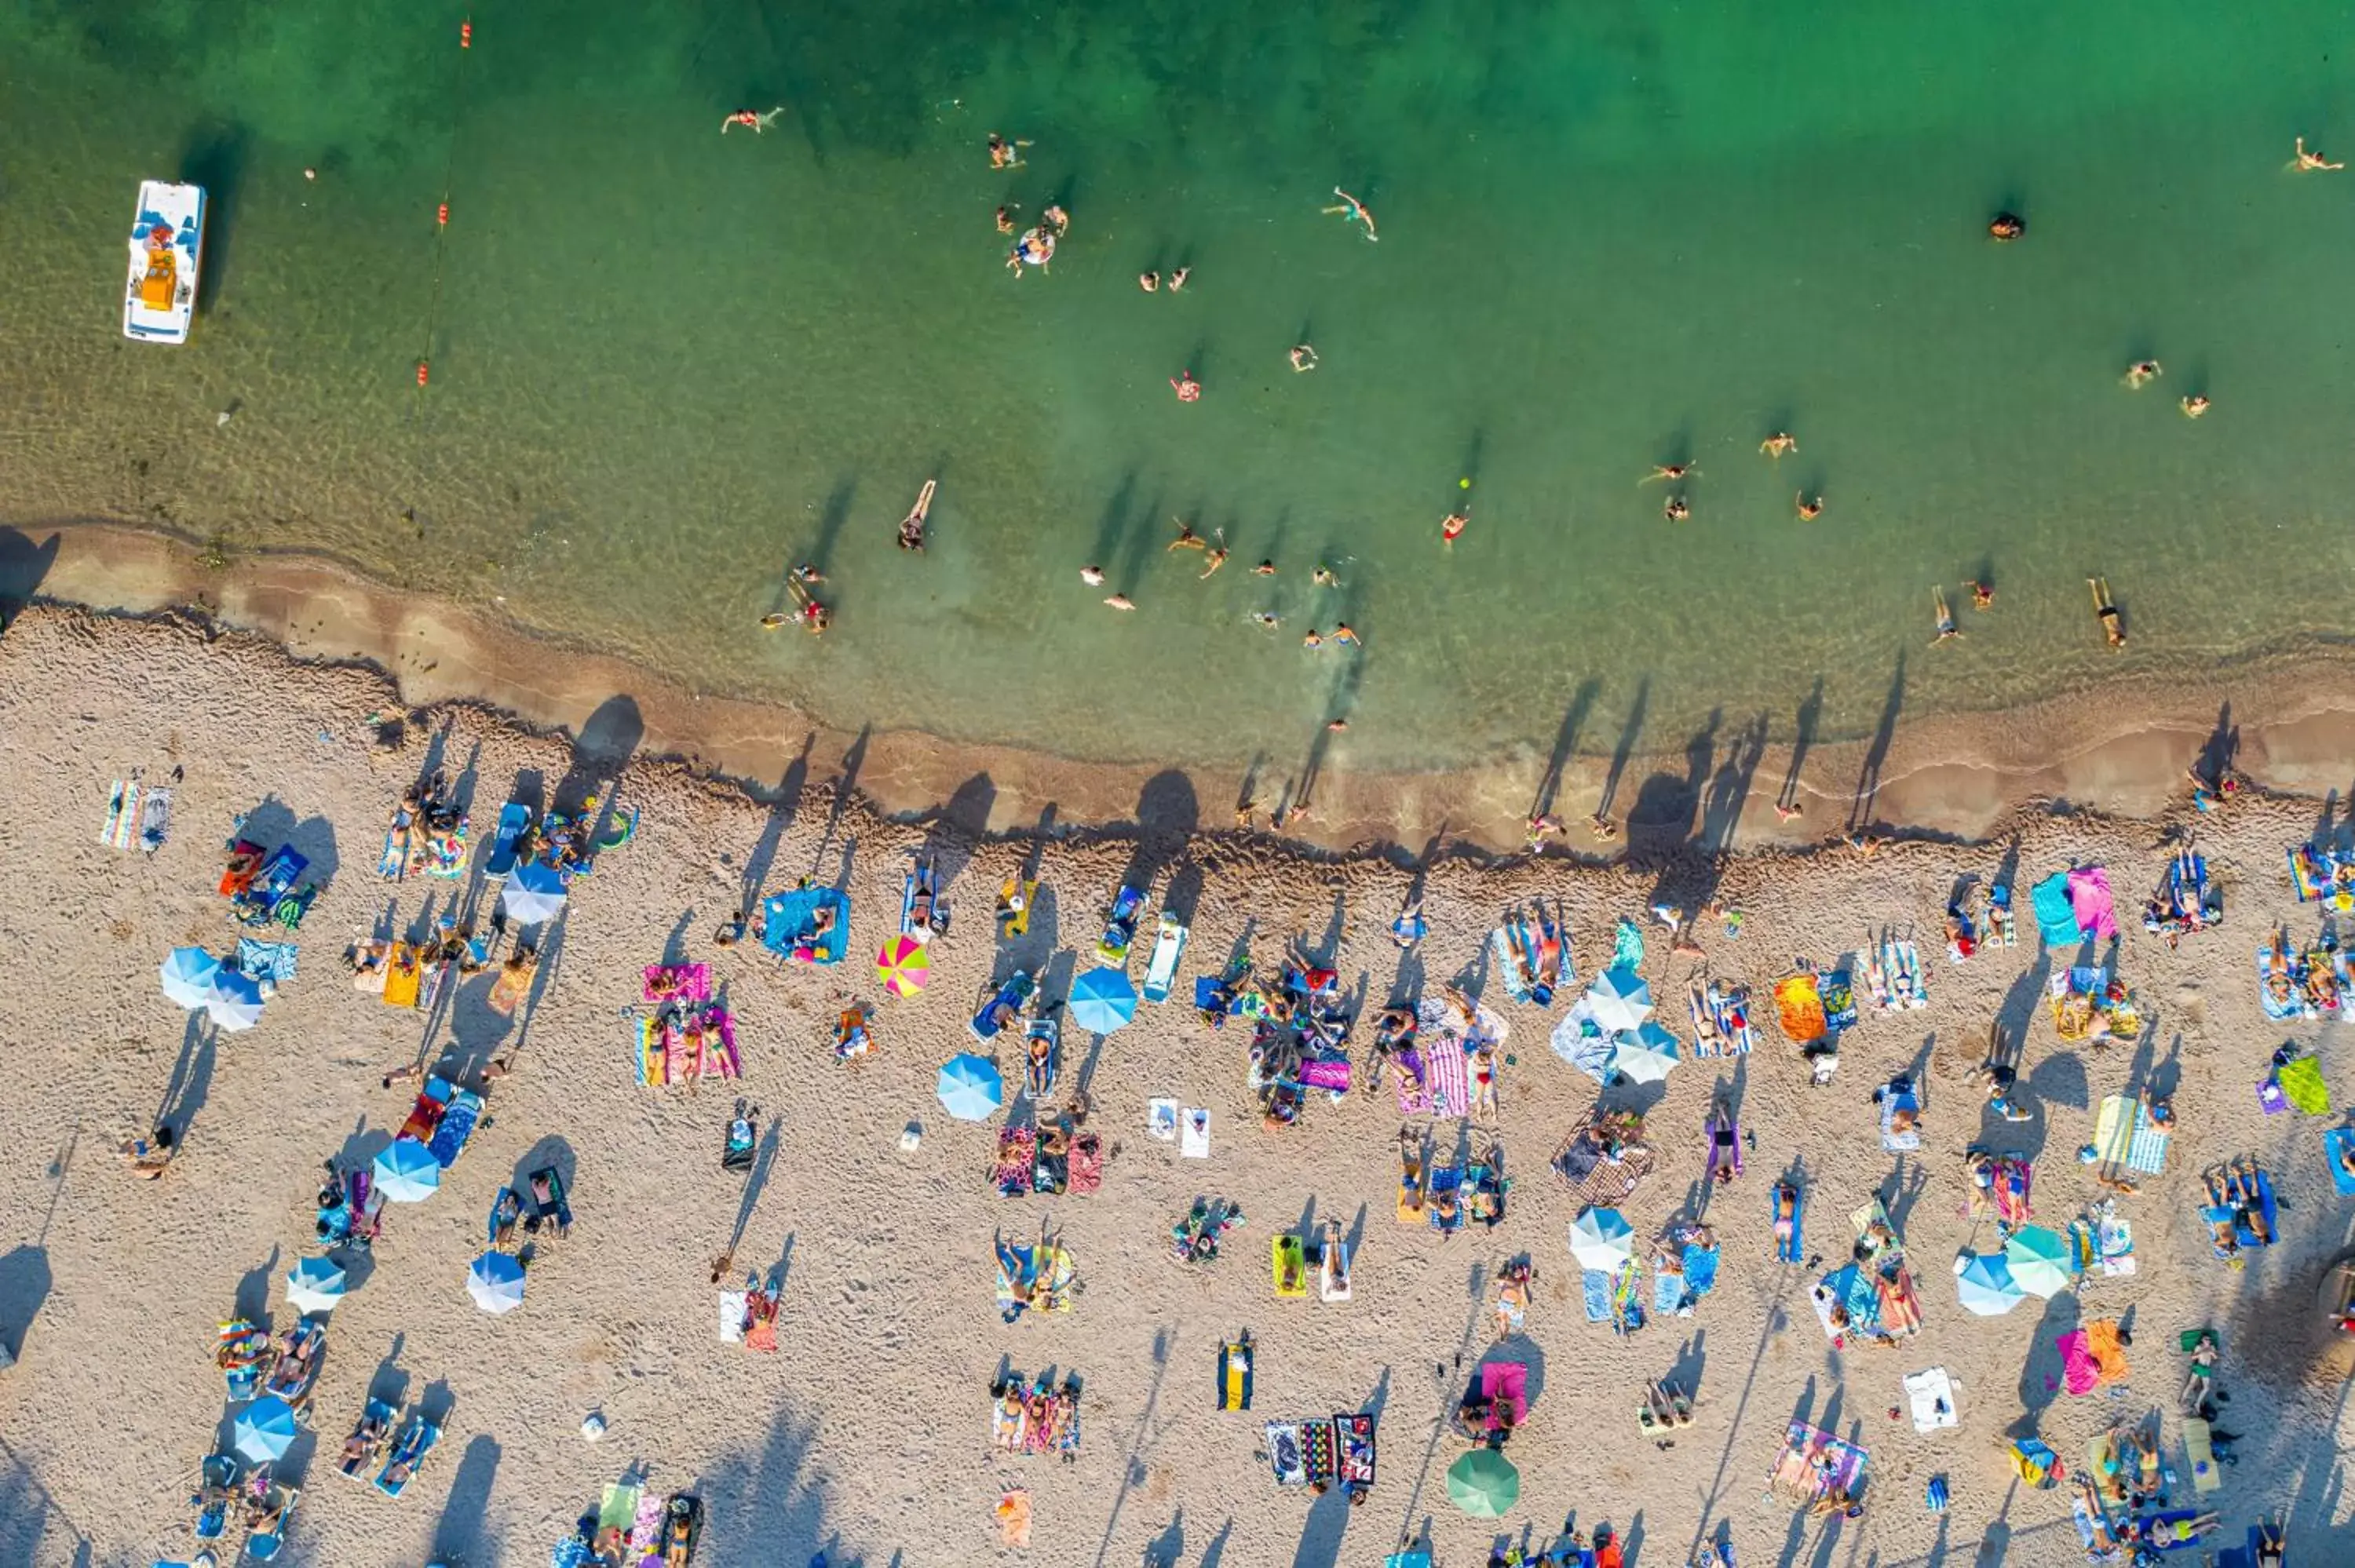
(1810, 508)
(2106, 613)
(2305, 161)
(2142, 373)
(1947, 630)
(1354, 210)
(1304, 357)
(1188, 390)
(1779, 444)
(757, 123)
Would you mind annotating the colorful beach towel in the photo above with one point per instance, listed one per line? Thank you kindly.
(1413, 1091)
(1448, 1078)
(2056, 913)
(1356, 1431)
(2090, 901)
(270, 964)
(2301, 1084)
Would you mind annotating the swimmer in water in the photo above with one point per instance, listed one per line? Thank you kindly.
(1810, 508)
(1120, 601)
(1266, 618)
(2106, 613)
(2006, 225)
(1342, 634)
(1337, 725)
(1186, 538)
(808, 573)
(1451, 527)
(1091, 576)
(1178, 279)
(1005, 219)
(1676, 511)
(1003, 154)
(1946, 627)
(1355, 211)
(1304, 357)
(1056, 218)
(1323, 578)
(911, 527)
(1148, 282)
(1313, 640)
(1982, 595)
(1216, 556)
(1188, 390)
(2305, 161)
(757, 123)
(2142, 373)
(1264, 569)
(2194, 405)
(1670, 472)
(815, 617)
(1779, 443)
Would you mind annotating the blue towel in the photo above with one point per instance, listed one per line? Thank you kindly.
(1596, 1286)
(271, 964)
(2056, 916)
(457, 1124)
(1701, 1271)
(2332, 1142)
(1668, 1293)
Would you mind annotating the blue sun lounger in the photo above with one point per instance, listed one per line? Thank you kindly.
(2335, 1144)
(1120, 928)
(790, 926)
(408, 1456)
(499, 863)
(1003, 1006)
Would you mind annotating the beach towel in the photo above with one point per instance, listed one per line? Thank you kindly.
(1327, 1073)
(2080, 1373)
(457, 1124)
(1509, 947)
(1578, 1040)
(1445, 1180)
(1086, 1171)
(2090, 901)
(2335, 1145)
(1356, 1434)
(122, 821)
(1626, 946)
(2302, 1086)
(1413, 1091)
(1009, 1422)
(2279, 996)
(1448, 1078)
(1839, 996)
(269, 964)
(1194, 1133)
(1729, 1009)
(1235, 1385)
(1595, 1177)
(1013, 1514)
(1017, 1155)
(1594, 1287)
(677, 982)
(1788, 1242)
(1286, 1453)
(1320, 1451)
(1799, 1008)
(1892, 1102)
(2056, 913)
(1931, 1394)
(2199, 1446)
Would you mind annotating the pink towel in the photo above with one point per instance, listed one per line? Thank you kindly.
(2089, 897)
(1447, 1073)
(2079, 1369)
(1326, 1075)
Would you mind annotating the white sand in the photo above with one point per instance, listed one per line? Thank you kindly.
(869, 1432)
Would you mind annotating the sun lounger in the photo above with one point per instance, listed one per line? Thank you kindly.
(681, 1529)
(499, 863)
(2200, 1448)
(1119, 927)
(923, 913)
(547, 1205)
(1042, 1043)
(1003, 1006)
(244, 1354)
(1169, 950)
(264, 1545)
(296, 1371)
(1234, 1387)
(808, 925)
(408, 1456)
(432, 1105)
(370, 1434)
(1289, 1265)
(2338, 1144)
(215, 1490)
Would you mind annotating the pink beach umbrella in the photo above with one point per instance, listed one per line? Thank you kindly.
(903, 966)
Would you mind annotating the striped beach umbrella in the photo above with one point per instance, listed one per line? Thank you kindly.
(903, 966)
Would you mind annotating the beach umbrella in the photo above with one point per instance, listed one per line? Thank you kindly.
(187, 975)
(1644, 1057)
(1984, 1281)
(2040, 1261)
(533, 894)
(1602, 1239)
(236, 1001)
(1102, 999)
(315, 1285)
(1483, 1483)
(264, 1430)
(903, 966)
(407, 1172)
(496, 1282)
(971, 1088)
(1620, 1000)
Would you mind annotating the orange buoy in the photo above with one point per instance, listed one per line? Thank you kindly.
(465, 35)
(420, 373)
(442, 215)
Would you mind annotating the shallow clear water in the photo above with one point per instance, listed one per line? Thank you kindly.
(668, 363)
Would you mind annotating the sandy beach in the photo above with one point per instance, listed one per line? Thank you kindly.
(868, 1435)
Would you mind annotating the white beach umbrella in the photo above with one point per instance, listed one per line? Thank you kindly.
(533, 894)
(1620, 1000)
(407, 1172)
(315, 1285)
(1602, 1239)
(236, 1001)
(496, 1282)
(187, 976)
(1644, 1057)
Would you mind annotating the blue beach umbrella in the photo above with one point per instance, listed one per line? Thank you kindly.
(2039, 1259)
(1984, 1281)
(187, 975)
(236, 1001)
(496, 1282)
(407, 1172)
(534, 894)
(315, 1285)
(971, 1088)
(264, 1430)
(1102, 999)
(1619, 1000)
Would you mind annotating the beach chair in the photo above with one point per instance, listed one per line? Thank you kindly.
(923, 913)
(2198, 1445)
(1119, 927)
(244, 1355)
(215, 1490)
(1014, 902)
(264, 1543)
(499, 861)
(1042, 1043)
(1168, 948)
(408, 1456)
(682, 1529)
(1002, 1008)
(1289, 1265)
(1234, 1387)
(296, 1371)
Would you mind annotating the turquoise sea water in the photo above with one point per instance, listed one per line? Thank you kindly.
(668, 363)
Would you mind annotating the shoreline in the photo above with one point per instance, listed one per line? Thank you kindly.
(2119, 748)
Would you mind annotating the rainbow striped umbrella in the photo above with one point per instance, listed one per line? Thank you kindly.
(903, 966)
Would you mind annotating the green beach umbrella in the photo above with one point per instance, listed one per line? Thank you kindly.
(2040, 1261)
(1483, 1484)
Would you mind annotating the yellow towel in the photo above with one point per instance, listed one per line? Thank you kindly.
(2114, 1130)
